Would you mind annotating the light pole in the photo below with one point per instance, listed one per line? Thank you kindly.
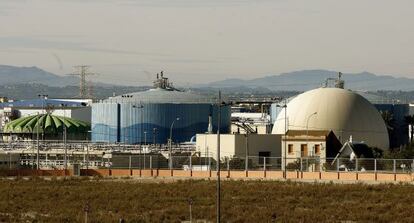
(43, 97)
(307, 128)
(154, 136)
(65, 137)
(170, 141)
(285, 144)
(140, 106)
(218, 198)
(37, 140)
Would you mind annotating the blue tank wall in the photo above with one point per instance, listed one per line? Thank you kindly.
(274, 112)
(399, 132)
(127, 122)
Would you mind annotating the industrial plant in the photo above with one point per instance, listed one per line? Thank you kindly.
(167, 127)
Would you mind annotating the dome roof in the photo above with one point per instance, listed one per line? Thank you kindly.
(159, 95)
(49, 124)
(344, 112)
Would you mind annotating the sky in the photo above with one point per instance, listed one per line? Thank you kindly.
(198, 41)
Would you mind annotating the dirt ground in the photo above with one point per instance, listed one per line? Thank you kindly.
(167, 200)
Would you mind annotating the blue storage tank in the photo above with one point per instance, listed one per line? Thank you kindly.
(147, 116)
(398, 132)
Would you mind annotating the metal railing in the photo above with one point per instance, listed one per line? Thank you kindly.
(160, 160)
(256, 163)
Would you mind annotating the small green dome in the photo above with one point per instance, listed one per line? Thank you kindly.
(46, 123)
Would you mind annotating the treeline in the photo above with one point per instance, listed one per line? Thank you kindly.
(30, 91)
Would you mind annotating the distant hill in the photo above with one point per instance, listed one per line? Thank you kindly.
(28, 75)
(309, 79)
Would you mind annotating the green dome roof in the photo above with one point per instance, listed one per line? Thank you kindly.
(46, 123)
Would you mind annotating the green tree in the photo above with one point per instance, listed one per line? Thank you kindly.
(388, 119)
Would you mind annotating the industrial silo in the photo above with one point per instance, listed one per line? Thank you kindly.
(147, 117)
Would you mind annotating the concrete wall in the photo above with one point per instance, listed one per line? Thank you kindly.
(254, 175)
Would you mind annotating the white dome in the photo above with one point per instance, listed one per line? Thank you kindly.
(344, 112)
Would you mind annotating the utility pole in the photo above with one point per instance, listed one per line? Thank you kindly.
(170, 143)
(37, 141)
(218, 160)
(83, 71)
(65, 137)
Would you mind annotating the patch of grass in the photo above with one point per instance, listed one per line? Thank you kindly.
(243, 201)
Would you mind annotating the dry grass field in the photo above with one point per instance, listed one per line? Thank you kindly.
(39, 200)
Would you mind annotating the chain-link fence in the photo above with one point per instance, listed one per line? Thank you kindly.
(206, 163)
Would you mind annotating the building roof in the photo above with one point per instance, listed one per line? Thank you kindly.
(353, 150)
(46, 123)
(309, 133)
(42, 103)
(159, 95)
(344, 112)
(303, 135)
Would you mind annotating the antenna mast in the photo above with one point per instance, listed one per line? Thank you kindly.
(337, 82)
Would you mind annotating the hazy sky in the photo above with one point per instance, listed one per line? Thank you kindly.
(194, 41)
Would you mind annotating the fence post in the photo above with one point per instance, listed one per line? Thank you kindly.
(276, 163)
(375, 165)
(394, 165)
(191, 163)
(130, 162)
(301, 164)
(209, 162)
(412, 166)
(264, 163)
(228, 164)
(356, 164)
(247, 164)
(337, 164)
(150, 162)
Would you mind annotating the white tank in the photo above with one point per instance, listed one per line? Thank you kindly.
(342, 111)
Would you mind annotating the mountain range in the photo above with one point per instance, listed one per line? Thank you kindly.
(292, 81)
(310, 79)
(34, 75)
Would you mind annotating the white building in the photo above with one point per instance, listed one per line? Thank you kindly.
(313, 145)
(256, 146)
